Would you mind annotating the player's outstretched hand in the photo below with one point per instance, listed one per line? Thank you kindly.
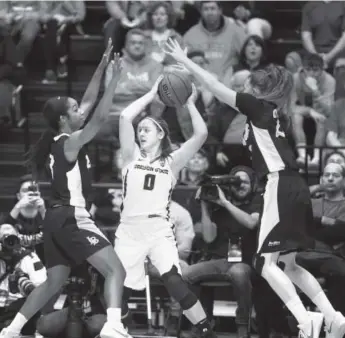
(192, 98)
(107, 53)
(116, 63)
(173, 48)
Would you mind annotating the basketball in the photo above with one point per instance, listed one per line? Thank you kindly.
(175, 89)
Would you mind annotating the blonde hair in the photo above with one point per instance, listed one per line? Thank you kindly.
(273, 84)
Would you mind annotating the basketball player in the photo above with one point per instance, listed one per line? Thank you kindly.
(70, 235)
(149, 176)
(287, 206)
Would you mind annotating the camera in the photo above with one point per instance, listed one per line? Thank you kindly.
(19, 281)
(10, 243)
(209, 190)
(33, 189)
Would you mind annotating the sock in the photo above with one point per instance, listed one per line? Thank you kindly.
(18, 322)
(113, 315)
(297, 308)
(322, 302)
(204, 326)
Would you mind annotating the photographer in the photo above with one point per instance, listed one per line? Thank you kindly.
(228, 227)
(20, 272)
(27, 215)
(79, 311)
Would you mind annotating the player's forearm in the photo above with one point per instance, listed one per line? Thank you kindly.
(103, 109)
(91, 92)
(198, 123)
(135, 108)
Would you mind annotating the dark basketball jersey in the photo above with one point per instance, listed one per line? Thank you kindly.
(71, 181)
(265, 136)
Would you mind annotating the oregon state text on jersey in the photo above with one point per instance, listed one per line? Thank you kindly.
(147, 189)
(71, 181)
(265, 136)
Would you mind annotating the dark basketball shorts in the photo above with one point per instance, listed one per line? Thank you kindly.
(286, 215)
(70, 236)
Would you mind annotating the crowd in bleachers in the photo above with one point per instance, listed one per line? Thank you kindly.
(229, 47)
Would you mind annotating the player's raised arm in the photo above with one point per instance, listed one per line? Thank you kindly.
(91, 93)
(99, 117)
(126, 129)
(181, 156)
(222, 92)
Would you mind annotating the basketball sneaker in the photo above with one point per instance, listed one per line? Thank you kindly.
(113, 330)
(316, 321)
(336, 328)
(6, 333)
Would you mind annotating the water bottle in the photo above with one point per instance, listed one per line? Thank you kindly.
(74, 327)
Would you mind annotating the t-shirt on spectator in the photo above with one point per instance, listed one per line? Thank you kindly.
(323, 27)
(139, 74)
(218, 37)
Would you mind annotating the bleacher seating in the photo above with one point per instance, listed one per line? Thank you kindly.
(85, 53)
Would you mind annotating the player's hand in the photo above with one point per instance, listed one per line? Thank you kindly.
(154, 88)
(192, 98)
(173, 48)
(107, 53)
(116, 63)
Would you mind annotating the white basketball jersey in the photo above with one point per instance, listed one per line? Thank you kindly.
(147, 189)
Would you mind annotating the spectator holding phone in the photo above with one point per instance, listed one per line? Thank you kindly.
(28, 213)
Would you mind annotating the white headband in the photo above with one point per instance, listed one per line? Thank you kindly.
(156, 123)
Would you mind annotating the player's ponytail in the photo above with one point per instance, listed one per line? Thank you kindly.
(53, 109)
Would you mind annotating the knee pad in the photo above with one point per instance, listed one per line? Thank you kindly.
(258, 263)
(178, 289)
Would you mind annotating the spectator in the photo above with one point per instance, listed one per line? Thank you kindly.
(22, 19)
(20, 272)
(222, 229)
(117, 166)
(253, 55)
(139, 74)
(218, 37)
(247, 16)
(313, 97)
(63, 17)
(27, 215)
(324, 34)
(84, 284)
(336, 125)
(124, 16)
(338, 157)
(8, 62)
(329, 230)
(160, 22)
(196, 169)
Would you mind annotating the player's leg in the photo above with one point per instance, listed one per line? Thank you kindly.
(266, 265)
(272, 239)
(57, 274)
(335, 321)
(164, 256)
(84, 242)
(132, 255)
